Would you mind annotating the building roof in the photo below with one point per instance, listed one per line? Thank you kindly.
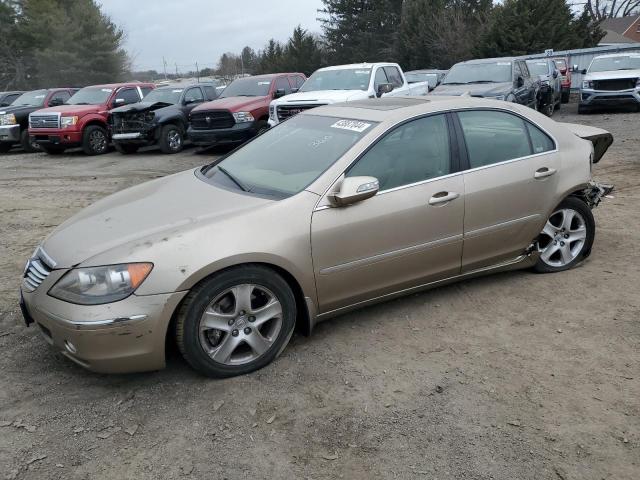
(613, 37)
(619, 24)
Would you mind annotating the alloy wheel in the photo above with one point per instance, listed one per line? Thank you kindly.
(240, 324)
(98, 141)
(562, 238)
(174, 139)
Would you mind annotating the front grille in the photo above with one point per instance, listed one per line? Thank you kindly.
(614, 85)
(212, 119)
(288, 111)
(38, 269)
(44, 121)
(130, 122)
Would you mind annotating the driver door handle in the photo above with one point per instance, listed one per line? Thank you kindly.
(544, 172)
(442, 198)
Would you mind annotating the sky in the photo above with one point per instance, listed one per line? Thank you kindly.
(190, 31)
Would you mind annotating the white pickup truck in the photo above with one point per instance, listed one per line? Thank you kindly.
(345, 83)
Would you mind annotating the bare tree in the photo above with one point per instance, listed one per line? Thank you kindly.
(602, 9)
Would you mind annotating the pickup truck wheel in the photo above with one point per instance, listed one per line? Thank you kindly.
(171, 139)
(261, 127)
(95, 140)
(567, 237)
(582, 109)
(125, 148)
(52, 149)
(236, 321)
(564, 98)
(5, 147)
(28, 145)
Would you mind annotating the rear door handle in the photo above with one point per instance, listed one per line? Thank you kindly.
(544, 172)
(443, 197)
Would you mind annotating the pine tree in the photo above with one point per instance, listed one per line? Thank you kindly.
(302, 53)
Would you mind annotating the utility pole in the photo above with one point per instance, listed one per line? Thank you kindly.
(164, 63)
(197, 72)
(176, 70)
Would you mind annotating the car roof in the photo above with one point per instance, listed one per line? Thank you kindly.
(269, 75)
(394, 109)
(621, 54)
(125, 84)
(185, 85)
(12, 92)
(427, 70)
(357, 65)
(489, 60)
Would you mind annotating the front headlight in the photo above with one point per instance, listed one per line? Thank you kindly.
(98, 285)
(8, 119)
(272, 112)
(68, 121)
(587, 84)
(243, 117)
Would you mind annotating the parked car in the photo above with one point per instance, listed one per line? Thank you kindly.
(345, 83)
(431, 76)
(562, 63)
(14, 119)
(242, 110)
(550, 87)
(82, 120)
(162, 118)
(611, 80)
(498, 78)
(339, 207)
(7, 98)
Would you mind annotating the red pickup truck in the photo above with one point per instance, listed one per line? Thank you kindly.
(242, 109)
(82, 120)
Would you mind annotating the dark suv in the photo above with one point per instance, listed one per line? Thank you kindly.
(14, 119)
(499, 78)
(161, 118)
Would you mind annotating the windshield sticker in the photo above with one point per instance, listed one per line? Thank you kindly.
(362, 72)
(320, 141)
(106, 90)
(176, 91)
(353, 125)
(39, 96)
(264, 83)
(505, 64)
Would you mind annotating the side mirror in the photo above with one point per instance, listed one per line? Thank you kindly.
(384, 88)
(520, 82)
(279, 93)
(574, 68)
(294, 90)
(583, 71)
(55, 102)
(353, 190)
(118, 101)
(189, 101)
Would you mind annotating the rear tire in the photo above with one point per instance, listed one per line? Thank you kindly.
(582, 110)
(564, 97)
(27, 145)
(125, 148)
(5, 147)
(171, 139)
(95, 140)
(261, 127)
(236, 321)
(52, 149)
(567, 237)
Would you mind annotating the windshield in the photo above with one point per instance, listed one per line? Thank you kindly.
(285, 160)
(342, 79)
(538, 68)
(432, 78)
(479, 72)
(247, 87)
(164, 95)
(35, 98)
(91, 96)
(627, 62)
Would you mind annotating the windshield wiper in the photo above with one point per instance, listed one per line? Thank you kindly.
(484, 81)
(234, 179)
(454, 83)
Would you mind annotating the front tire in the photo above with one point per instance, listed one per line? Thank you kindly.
(28, 145)
(236, 322)
(583, 110)
(171, 139)
(5, 147)
(567, 236)
(564, 97)
(95, 140)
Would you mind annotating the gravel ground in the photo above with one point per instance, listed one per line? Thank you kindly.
(513, 376)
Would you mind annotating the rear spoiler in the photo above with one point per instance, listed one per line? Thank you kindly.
(601, 139)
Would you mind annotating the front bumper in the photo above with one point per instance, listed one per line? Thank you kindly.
(594, 98)
(9, 133)
(142, 138)
(120, 337)
(239, 133)
(66, 138)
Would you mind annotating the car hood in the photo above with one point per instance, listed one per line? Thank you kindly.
(234, 104)
(18, 109)
(79, 110)
(612, 74)
(477, 89)
(142, 107)
(324, 96)
(136, 217)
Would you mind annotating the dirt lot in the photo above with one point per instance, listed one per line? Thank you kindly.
(514, 376)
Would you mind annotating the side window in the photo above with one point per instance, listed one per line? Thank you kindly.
(282, 83)
(9, 99)
(393, 74)
(516, 70)
(193, 95)
(413, 152)
(493, 137)
(540, 141)
(145, 91)
(126, 96)
(525, 69)
(380, 78)
(299, 81)
(210, 92)
(60, 97)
